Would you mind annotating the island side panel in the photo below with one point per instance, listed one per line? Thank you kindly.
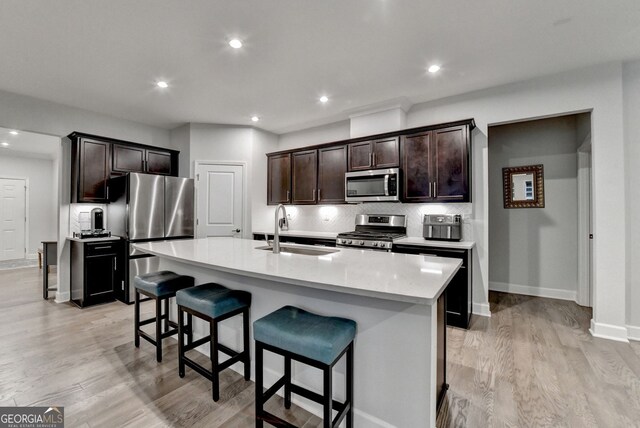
(395, 356)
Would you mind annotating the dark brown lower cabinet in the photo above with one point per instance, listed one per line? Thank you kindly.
(459, 290)
(96, 271)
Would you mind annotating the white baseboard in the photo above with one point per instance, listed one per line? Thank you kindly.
(62, 297)
(633, 332)
(609, 331)
(552, 293)
(481, 309)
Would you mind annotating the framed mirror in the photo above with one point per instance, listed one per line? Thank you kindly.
(523, 186)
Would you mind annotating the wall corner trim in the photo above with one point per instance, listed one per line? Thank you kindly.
(609, 331)
(633, 332)
(481, 309)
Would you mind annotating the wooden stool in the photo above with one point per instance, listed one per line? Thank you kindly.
(159, 286)
(311, 339)
(213, 303)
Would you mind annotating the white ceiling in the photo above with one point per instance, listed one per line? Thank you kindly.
(28, 144)
(106, 55)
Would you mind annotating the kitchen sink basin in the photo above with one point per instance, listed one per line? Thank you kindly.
(300, 250)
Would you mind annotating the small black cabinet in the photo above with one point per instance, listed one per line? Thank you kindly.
(459, 291)
(96, 271)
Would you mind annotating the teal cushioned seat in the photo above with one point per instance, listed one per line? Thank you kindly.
(213, 300)
(162, 283)
(313, 336)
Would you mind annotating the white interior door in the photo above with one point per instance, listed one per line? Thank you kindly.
(12, 218)
(220, 199)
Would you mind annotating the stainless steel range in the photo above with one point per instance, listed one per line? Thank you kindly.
(374, 232)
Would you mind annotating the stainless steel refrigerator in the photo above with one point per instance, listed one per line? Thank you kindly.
(143, 208)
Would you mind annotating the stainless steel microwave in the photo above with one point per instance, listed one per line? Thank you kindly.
(375, 185)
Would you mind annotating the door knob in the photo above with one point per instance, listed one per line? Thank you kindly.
(236, 230)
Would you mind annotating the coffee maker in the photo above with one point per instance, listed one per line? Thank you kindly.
(97, 219)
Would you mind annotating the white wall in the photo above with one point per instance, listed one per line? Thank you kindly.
(31, 114)
(535, 250)
(42, 196)
(631, 82)
(598, 89)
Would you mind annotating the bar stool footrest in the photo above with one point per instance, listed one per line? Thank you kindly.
(147, 337)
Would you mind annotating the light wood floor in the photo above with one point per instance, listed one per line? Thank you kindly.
(532, 364)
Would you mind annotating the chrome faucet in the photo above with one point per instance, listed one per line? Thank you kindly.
(285, 226)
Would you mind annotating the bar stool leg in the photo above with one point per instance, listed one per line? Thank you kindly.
(158, 330)
(166, 315)
(181, 331)
(259, 385)
(287, 382)
(136, 322)
(327, 398)
(189, 329)
(215, 384)
(247, 353)
(349, 394)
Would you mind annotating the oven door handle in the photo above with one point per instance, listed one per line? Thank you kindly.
(386, 184)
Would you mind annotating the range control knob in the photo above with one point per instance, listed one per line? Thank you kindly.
(361, 242)
(349, 242)
(375, 244)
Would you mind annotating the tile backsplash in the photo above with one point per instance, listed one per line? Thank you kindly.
(340, 218)
(80, 216)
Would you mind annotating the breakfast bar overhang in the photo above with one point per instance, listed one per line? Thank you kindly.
(397, 301)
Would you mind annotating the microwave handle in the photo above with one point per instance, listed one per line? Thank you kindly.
(386, 184)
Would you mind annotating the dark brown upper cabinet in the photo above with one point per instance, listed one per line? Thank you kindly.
(279, 179)
(435, 165)
(95, 159)
(375, 154)
(305, 175)
(137, 159)
(332, 165)
(90, 170)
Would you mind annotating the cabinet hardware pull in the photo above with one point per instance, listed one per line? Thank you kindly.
(115, 263)
(287, 196)
(107, 192)
(102, 248)
(374, 159)
(318, 194)
(370, 159)
(314, 194)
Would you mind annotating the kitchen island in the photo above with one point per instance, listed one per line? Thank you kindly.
(395, 299)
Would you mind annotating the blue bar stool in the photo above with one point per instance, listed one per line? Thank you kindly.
(213, 303)
(159, 286)
(311, 339)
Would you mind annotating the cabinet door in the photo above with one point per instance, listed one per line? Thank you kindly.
(332, 165)
(158, 162)
(305, 175)
(99, 279)
(128, 159)
(385, 153)
(93, 171)
(451, 158)
(279, 179)
(416, 161)
(360, 156)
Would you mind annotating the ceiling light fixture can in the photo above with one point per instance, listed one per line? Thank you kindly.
(434, 69)
(235, 43)
(324, 99)
(255, 118)
(162, 84)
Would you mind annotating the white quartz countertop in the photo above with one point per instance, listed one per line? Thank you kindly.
(109, 238)
(465, 245)
(390, 276)
(419, 241)
(301, 233)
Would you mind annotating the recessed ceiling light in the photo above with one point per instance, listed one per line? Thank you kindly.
(162, 84)
(434, 68)
(324, 99)
(4, 144)
(255, 118)
(13, 132)
(235, 43)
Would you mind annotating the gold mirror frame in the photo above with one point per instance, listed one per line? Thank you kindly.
(538, 189)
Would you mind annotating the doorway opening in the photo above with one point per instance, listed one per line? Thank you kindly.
(544, 251)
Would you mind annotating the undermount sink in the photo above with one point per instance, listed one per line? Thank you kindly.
(300, 250)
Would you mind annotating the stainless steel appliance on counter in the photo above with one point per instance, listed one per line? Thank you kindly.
(443, 227)
(146, 207)
(374, 232)
(376, 185)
